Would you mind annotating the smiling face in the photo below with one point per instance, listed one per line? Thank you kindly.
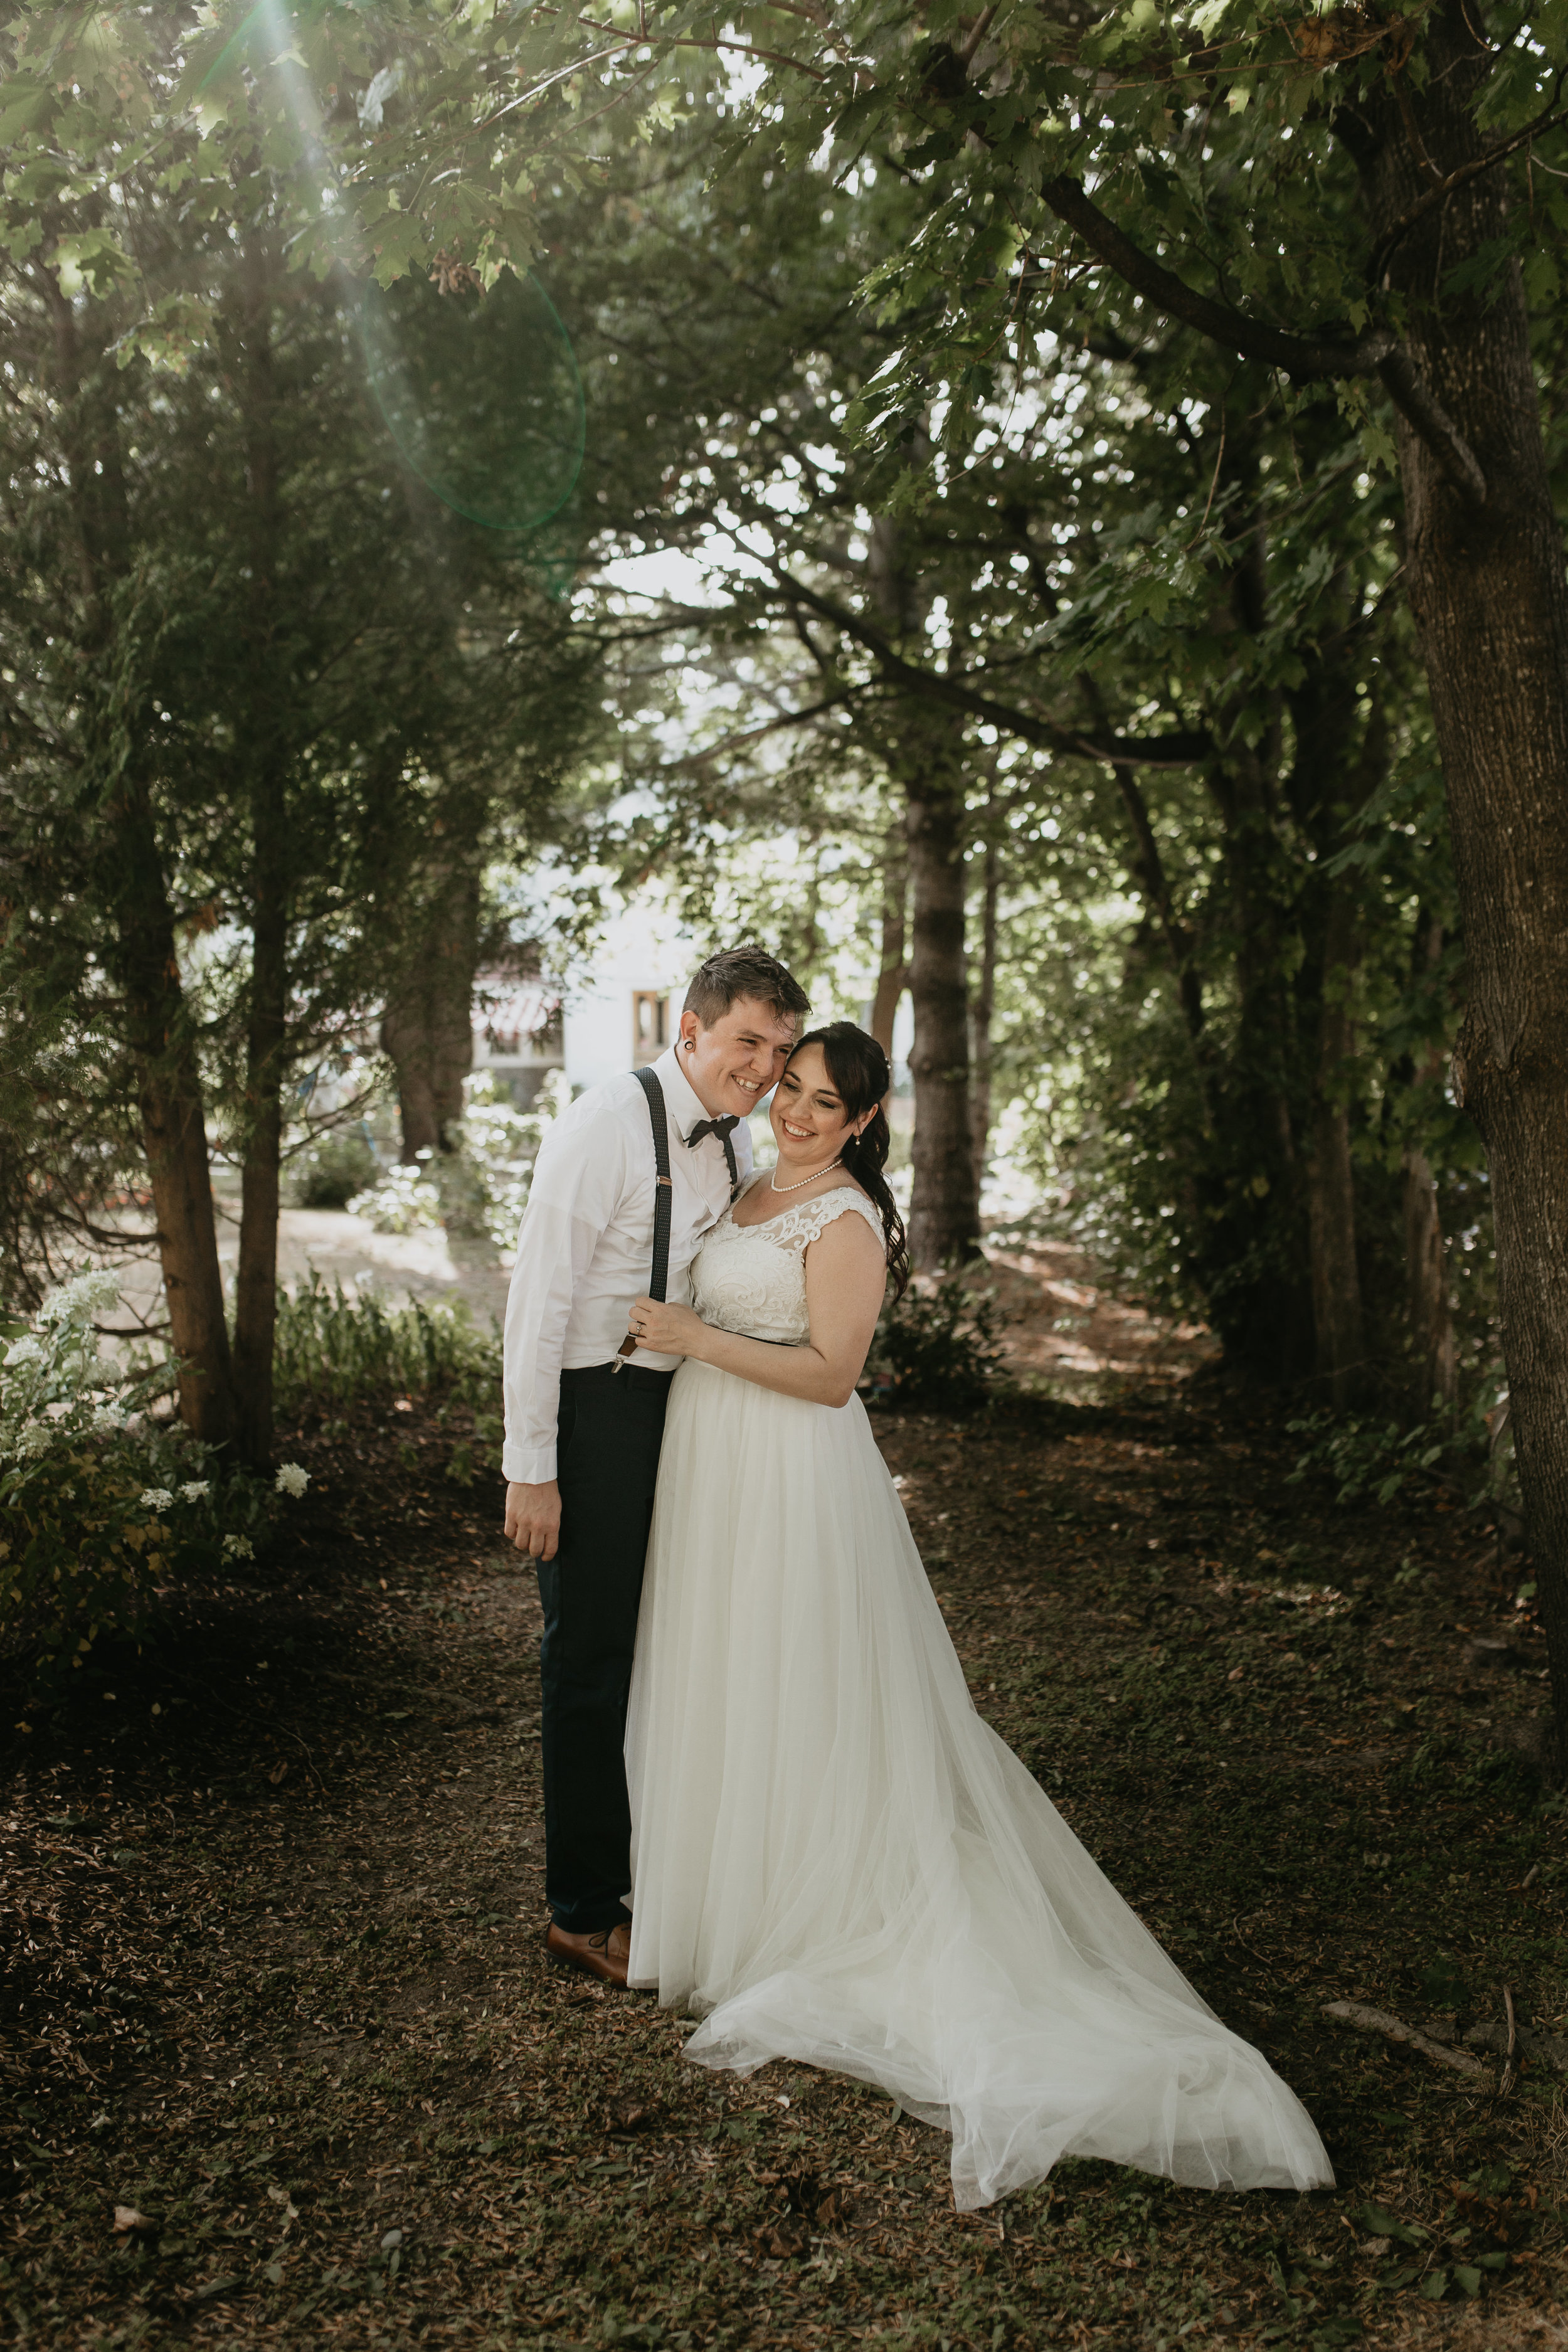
(731, 1066)
(808, 1118)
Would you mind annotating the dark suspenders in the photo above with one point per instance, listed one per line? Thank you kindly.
(660, 1274)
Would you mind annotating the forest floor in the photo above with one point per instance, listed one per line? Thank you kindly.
(270, 1920)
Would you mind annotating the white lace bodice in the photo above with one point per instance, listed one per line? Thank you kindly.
(752, 1278)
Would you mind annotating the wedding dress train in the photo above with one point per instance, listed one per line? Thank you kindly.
(836, 1860)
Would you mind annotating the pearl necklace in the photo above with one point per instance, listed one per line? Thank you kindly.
(774, 1187)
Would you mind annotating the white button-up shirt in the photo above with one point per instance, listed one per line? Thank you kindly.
(585, 1249)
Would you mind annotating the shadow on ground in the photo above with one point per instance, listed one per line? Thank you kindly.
(279, 2063)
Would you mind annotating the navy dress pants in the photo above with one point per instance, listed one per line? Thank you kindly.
(611, 1426)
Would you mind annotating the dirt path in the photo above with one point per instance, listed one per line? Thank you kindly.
(271, 1917)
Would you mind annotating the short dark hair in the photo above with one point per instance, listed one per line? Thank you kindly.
(740, 973)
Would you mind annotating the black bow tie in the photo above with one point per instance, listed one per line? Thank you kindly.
(724, 1128)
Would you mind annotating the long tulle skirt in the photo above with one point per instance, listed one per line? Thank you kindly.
(836, 1861)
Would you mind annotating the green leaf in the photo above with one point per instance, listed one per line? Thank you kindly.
(1380, 2224)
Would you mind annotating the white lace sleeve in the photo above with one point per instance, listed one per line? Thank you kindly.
(815, 1216)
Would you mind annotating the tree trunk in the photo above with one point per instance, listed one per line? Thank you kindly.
(982, 1010)
(893, 977)
(1486, 586)
(944, 1214)
(1331, 1190)
(175, 1137)
(1426, 1267)
(427, 1028)
(255, 1289)
(944, 1209)
(174, 1128)
(1426, 1282)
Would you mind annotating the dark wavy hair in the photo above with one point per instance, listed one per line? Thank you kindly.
(859, 1069)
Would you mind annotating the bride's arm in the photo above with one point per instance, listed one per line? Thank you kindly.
(845, 1274)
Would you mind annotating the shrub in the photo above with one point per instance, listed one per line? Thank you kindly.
(937, 1346)
(104, 1498)
(480, 1188)
(330, 1172)
(336, 1347)
(1368, 1454)
(403, 1202)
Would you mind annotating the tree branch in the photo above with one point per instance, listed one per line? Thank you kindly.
(1293, 355)
(732, 743)
(1426, 417)
(1172, 751)
(1150, 870)
(1305, 358)
(1384, 251)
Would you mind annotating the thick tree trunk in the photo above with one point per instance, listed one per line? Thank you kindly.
(944, 1213)
(893, 976)
(981, 1011)
(175, 1137)
(174, 1128)
(944, 1210)
(1485, 585)
(1330, 1190)
(427, 1028)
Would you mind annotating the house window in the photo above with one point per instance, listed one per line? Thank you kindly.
(650, 1024)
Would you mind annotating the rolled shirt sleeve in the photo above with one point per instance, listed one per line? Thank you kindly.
(578, 1181)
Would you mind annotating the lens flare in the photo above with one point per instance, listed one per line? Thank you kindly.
(480, 391)
(482, 394)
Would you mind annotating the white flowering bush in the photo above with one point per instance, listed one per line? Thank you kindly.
(482, 1186)
(104, 1498)
(403, 1202)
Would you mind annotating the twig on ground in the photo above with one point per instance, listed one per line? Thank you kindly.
(1394, 2029)
(1506, 2084)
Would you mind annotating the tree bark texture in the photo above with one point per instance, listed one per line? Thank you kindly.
(1330, 1190)
(944, 1212)
(893, 976)
(983, 1009)
(927, 760)
(1427, 1284)
(1486, 586)
(427, 1028)
(173, 1126)
(256, 1287)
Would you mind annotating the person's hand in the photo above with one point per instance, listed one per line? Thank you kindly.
(668, 1330)
(533, 1519)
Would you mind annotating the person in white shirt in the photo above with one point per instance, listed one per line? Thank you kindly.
(583, 1425)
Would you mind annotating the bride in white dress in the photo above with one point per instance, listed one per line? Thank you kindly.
(836, 1861)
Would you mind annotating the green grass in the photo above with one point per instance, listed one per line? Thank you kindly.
(334, 1348)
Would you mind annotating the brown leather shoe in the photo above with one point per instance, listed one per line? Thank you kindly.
(603, 1954)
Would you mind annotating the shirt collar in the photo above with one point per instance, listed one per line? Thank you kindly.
(684, 1105)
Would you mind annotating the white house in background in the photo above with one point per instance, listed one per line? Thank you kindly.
(621, 1013)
